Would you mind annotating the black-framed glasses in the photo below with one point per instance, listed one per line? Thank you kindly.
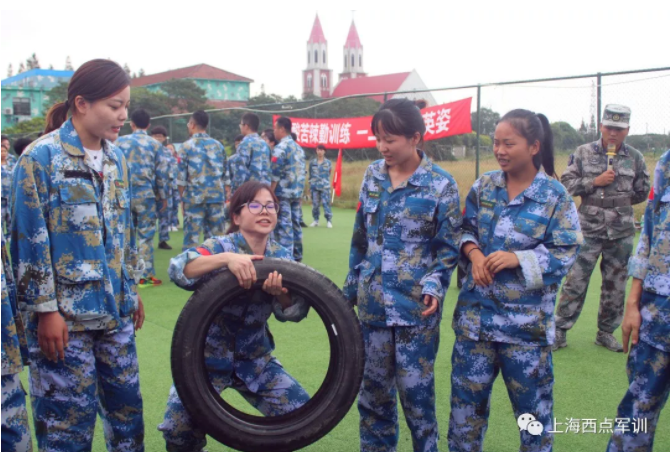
(256, 207)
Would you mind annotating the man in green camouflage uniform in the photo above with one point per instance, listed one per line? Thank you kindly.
(609, 186)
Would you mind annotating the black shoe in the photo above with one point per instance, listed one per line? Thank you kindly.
(164, 246)
(303, 224)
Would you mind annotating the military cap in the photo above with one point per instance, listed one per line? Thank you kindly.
(616, 116)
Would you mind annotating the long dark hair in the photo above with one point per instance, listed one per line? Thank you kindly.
(399, 117)
(535, 127)
(94, 80)
(244, 194)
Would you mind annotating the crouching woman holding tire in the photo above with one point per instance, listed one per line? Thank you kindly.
(239, 345)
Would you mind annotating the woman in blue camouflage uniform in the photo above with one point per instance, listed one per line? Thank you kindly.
(521, 234)
(74, 256)
(15, 428)
(403, 250)
(647, 324)
(238, 353)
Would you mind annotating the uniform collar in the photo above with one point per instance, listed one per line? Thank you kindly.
(71, 143)
(140, 132)
(286, 139)
(242, 245)
(200, 135)
(421, 177)
(536, 191)
(251, 136)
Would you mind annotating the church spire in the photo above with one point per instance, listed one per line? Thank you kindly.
(317, 77)
(353, 55)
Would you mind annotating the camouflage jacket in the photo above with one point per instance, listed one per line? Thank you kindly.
(288, 169)
(73, 246)
(202, 170)
(244, 321)
(651, 261)
(237, 173)
(147, 165)
(405, 244)
(319, 175)
(14, 346)
(541, 227)
(254, 159)
(172, 167)
(631, 181)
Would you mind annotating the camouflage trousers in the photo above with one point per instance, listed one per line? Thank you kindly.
(648, 371)
(398, 360)
(321, 198)
(206, 218)
(529, 377)
(99, 375)
(277, 393)
(288, 231)
(614, 269)
(174, 211)
(165, 218)
(144, 219)
(15, 428)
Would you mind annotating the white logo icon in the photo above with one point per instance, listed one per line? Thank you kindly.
(530, 424)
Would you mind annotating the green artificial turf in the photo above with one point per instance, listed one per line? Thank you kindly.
(589, 380)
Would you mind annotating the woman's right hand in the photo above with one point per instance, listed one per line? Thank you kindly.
(242, 266)
(52, 335)
(481, 275)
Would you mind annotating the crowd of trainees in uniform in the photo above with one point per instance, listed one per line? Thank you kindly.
(202, 178)
(75, 265)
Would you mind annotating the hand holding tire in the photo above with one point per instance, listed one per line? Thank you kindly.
(242, 266)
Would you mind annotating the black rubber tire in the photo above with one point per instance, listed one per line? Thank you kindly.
(301, 427)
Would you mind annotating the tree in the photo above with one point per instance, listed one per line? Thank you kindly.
(582, 128)
(566, 138)
(141, 73)
(33, 62)
(127, 69)
(33, 125)
(22, 68)
(10, 70)
(156, 103)
(185, 95)
(51, 66)
(68, 64)
(489, 119)
(56, 94)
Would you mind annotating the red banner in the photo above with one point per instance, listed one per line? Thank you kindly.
(349, 133)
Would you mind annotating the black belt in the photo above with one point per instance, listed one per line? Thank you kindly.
(606, 202)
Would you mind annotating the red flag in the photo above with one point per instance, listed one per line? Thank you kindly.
(337, 180)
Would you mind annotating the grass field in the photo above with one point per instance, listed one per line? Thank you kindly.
(590, 381)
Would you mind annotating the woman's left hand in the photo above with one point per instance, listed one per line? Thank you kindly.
(138, 316)
(432, 304)
(273, 285)
(500, 260)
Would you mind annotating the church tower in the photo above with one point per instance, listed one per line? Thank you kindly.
(317, 78)
(353, 55)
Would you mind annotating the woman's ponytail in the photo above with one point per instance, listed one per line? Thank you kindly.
(56, 116)
(547, 146)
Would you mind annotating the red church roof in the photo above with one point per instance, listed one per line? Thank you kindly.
(353, 41)
(200, 71)
(317, 35)
(375, 84)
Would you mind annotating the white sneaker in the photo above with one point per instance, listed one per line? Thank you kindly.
(330, 225)
(314, 224)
